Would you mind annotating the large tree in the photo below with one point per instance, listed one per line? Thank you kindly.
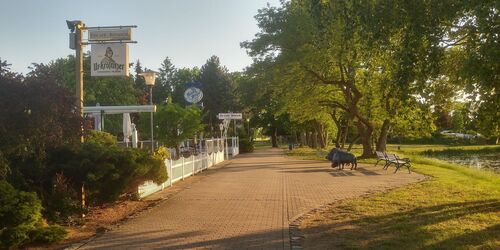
(377, 54)
(36, 115)
(165, 85)
(218, 92)
(472, 39)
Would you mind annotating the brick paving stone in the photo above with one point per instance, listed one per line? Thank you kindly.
(246, 204)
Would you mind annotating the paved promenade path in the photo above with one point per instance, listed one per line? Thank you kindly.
(246, 204)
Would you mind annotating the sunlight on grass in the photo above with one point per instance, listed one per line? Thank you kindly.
(457, 208)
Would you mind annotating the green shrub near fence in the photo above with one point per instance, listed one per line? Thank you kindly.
(246, 145)
(108, 171)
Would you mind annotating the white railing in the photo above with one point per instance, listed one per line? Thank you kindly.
(214, 151)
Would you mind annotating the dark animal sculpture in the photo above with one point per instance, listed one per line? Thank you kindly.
(341, 158)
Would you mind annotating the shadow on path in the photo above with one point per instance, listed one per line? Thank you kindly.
(168, 240)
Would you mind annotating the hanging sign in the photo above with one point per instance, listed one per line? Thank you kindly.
(193, 95)
(109, 60)
(107, 34)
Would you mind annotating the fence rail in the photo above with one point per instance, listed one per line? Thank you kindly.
(211, 152)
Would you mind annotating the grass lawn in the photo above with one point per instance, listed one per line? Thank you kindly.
(456, 208)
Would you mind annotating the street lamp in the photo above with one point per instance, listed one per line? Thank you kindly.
(248, 123)
(149, 78)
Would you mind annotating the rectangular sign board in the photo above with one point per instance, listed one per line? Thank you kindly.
(109, 60)
(110, 34)
(230, 116)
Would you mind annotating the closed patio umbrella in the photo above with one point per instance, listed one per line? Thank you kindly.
(127, 127)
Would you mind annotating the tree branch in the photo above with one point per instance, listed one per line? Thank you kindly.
(334, 104)
(319, 77)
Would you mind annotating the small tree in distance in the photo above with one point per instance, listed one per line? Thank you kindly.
(175, 124)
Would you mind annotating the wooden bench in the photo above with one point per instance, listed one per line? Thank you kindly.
(398, 162)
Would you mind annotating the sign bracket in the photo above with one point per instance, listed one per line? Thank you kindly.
(108, 42)
(110, 27)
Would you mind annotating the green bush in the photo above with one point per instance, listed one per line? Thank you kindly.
(20, 213)
(100, 137)
(246, 145)
(108, 171)
(48, 234)
(4, 167)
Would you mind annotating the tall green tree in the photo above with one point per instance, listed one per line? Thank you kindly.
(377, 54)
(218, 92)
(164, 85)
(180, 79)
(474, 49)
(139, 81)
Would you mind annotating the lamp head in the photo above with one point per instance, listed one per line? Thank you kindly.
(72, 25)
(149, 77)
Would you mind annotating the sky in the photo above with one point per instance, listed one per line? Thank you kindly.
(187, 31)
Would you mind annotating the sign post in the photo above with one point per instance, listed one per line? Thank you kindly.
(76, 42)
(227, 117)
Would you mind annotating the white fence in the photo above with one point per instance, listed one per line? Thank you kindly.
(212, 152)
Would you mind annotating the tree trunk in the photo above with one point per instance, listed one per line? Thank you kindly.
(274, 138)
(365, 133)
(303, 139)
(382, 139)
(320, 134)
(314, 139)
(353, 142)
(339, 129)
(177, 151)
(337, 138)
(344, 134)
(310, 142)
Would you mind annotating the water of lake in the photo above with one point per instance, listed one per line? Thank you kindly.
(490, 162)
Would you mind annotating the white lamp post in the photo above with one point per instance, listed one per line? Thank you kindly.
(149, 78)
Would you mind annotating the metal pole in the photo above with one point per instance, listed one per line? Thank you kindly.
(151, 103)
(79, 71)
